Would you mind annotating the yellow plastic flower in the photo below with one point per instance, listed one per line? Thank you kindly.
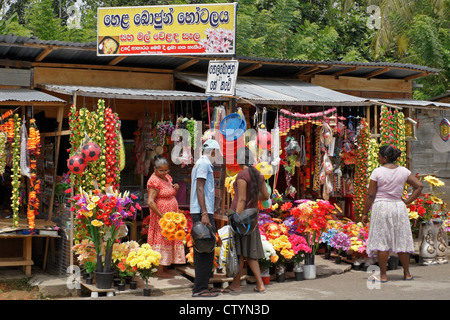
(434, 181)
(97, 223)
(90, 206)
(436, 200)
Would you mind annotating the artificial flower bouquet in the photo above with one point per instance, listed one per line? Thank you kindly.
(270, 255)
(99, 216)
(173, 225)
(146, 261)
(312, 218)
(299, 247)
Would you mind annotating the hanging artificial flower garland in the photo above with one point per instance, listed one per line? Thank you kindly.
(34, 144)
(98, 136)
(15, 183)
(101, 127)
(392, 131)
(112, 160)
(361, 177)
(401, 135)
(372, 162)
(3, 139)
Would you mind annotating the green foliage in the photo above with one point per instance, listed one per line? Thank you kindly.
(12, 26)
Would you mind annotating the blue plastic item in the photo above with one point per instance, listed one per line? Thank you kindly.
(232, 126)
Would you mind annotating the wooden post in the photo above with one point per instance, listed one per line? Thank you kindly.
(71, 212)
(55, 169)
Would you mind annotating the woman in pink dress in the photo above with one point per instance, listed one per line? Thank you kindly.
(161, 199)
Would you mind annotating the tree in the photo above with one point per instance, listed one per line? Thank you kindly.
(42, 21)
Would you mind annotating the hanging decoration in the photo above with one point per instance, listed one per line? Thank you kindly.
(93, 132)
(15, 183)
(392, 131)
(3, 139)
(113, 147)
(24, 157)
(361, 178)
(34, 147)
(372, 158)
(290, 121)
(401, 145)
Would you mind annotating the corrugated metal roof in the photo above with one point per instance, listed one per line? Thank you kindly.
(414, 103)
(29, 48)
(291, 92)
(134, 94)
(26, 95)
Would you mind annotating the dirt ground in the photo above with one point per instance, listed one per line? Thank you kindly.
(18, 290)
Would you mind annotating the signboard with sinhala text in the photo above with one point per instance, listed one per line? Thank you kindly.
(222, 77)
(199, 29)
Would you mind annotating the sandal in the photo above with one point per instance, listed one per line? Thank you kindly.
(230, 290)
(375, 279)
(259, 291)
(204, 294)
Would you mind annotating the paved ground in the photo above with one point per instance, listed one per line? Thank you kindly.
(334, 282)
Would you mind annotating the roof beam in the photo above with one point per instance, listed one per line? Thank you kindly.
(418, 75)
(250, 68)
(377, 72)
(320, 69)
(116, 60)
(340, 73)
(44, 53)
(187, 64)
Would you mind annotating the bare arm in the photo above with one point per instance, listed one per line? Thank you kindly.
(242, 195)
(151, 201)
(264, 194)
(201, 200)
(417, 188)
(370, 197)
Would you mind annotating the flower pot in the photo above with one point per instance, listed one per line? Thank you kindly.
(104, 280)
(309, 258)
(266, 279)
(392, 263)
(88, 280)
(116, 281)
(121, 286)
(298, 276)
(133, 285)
(337, 259)
(327, 255)
(147, 292)
(309, 271)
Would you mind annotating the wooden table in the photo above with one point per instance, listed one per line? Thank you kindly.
(25, 260)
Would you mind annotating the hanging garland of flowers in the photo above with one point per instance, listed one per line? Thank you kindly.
(392, 131)
(401, 137)
(361, 177)
(3, 138)
(15, 198)
(77, 125)
(94, 127)
(316, 178)
(112, 160)
(34, 147)
(372, 162)
(98, 136)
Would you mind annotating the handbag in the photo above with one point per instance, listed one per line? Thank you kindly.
(232, 262)
(244, 223)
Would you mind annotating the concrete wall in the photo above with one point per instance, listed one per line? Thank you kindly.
(425, 159)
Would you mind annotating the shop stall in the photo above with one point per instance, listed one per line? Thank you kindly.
(20, 166)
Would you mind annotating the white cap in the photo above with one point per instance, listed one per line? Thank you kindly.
(211, 144)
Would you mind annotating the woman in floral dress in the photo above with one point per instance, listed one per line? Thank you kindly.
(161, 199)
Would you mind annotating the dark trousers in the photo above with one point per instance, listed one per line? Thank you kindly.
(203, 262)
